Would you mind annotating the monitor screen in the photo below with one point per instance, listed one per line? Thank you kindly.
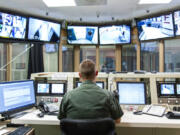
(177, 22)
(16, 95)
(82, 34)
(43, 30)
(120, 34)
(43, 88)
(167, 89)
(58, 88)
(156, 27)
(12, 26)
(178, 89)
(131, 93)
(100, 84)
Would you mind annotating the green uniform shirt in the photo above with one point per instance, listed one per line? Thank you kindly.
(89, 101)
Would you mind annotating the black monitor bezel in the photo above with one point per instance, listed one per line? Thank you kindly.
(42, 19)
(120, 24)
(22, 108)
(100, 82)
(145, 92)
(166, 95)
(10, 39)
(83, 25)
(152, 16)
(57, 94)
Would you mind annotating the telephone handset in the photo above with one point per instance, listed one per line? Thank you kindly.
(43, 107)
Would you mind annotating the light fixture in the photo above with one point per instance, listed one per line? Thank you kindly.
(154, 1)
(59, 3)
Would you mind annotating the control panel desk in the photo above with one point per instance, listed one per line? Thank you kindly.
(130, 123)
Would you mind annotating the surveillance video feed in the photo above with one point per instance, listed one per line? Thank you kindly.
(156, 27)
(43, 88)
(178, 89)
(82, 35)
(43, 30)
(177, 22)
(115, 34)
(12, 26)
(167, 89)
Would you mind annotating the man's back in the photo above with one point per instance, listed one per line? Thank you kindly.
(89, 102)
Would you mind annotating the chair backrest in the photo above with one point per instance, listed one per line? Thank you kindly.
(105, 126)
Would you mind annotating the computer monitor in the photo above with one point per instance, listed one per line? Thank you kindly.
(132, 92)
(16, 96)
(178, 89)
(100, 84)
(166, 89)
(58, 88)
(43, 88)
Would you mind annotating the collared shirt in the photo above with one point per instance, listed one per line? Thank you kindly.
(89, 101)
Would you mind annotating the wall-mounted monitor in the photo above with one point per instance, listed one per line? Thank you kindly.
(43, 88)
(166, 89)
(16, 96)
(12, 26)
(178, 88)
(98, 83)
(115, 34)
(58, 88)
(177, 22)
(131, 92)
(82, 35)
(156, 27)
(41, 30)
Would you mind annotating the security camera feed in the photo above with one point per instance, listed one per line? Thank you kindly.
(12, 26)
(43, 30)
(177, 22)
(167, 89)
(156, 27)
(131, 93)
(115, 34)
(57, 88)
(82, 35)
(178, 89)
(43, 88)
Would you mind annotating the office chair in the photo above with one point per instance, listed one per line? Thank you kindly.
(105, 126)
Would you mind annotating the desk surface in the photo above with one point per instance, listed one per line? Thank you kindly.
(128, 120)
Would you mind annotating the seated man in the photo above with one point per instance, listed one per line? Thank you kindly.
(89, 101)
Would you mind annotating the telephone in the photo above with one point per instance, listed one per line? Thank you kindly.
(156, 110)
(48, 108)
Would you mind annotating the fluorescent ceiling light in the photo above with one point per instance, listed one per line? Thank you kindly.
(59, 3)
(154, 1)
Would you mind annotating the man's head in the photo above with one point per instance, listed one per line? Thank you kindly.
(87, 70)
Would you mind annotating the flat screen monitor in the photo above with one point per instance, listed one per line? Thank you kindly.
(156, 27)
(16, 96)
(178, 89)
(131, 92)
(42, 30)
(100, 84)
(12, 26)
(119, 34)
(43, 88)
(82, 34)
(177, 22)
(167, 89)
(58, 88)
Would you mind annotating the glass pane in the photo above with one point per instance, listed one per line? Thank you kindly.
(172, 55)
(150, 56)
(88, 52)
(67, 59)
(3, 61)
(129, 58)
(50, 56)
(20, 59)
(107, 58)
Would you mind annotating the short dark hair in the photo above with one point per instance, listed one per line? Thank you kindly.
(87, 69)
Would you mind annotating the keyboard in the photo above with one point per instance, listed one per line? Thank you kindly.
(21, 131)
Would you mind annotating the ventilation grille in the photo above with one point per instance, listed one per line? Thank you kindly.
(91, 2)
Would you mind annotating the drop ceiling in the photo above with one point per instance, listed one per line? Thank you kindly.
(96, 12)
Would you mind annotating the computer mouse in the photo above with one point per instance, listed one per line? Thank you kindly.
(40, 115)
